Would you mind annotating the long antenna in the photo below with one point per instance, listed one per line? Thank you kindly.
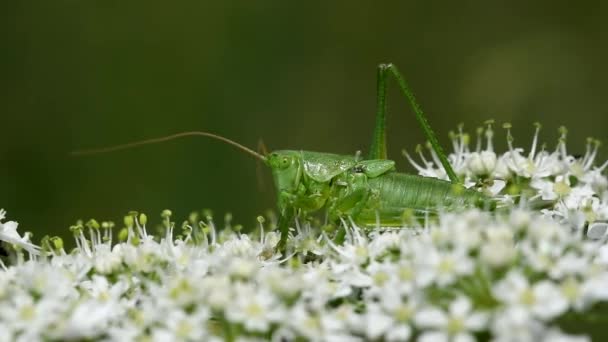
(167, 138)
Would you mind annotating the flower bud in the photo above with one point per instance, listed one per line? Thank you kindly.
(93, 224)
(128, 220)
(143, 219)
(57, 243)
(123, 235)
(482, 163)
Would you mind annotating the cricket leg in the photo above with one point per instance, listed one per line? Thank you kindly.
(348, 202)
(378, 149)
(350, 198)
(283, 225)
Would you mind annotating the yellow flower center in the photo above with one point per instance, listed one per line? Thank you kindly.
(27, 313)
(403, 313)
(570, 289)
(561, 188)
(446, 266)
(455, 325)
(254, 309)
(380, 278)
(527, 297)
(406, 273)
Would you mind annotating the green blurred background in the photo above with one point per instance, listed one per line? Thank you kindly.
(301, 75)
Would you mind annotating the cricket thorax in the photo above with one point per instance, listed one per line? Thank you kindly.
(310, 181)
(300, 181)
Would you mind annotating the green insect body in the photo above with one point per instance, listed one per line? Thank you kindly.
(368, 191)
(398, 192)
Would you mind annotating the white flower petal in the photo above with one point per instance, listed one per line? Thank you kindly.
(460, 307)
(430, 318)
(433, 336)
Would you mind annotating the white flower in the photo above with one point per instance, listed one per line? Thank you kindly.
(6, 333)
(238, 246)
(380, 274)
(389, 315)
(514, 324)
(217, 291)
(8, 233)
(106, 259)
(242, 268)
(572, 290)
(441, 267)
(569, 263)
(383, 242)
(89, 319)
(602, 255)
(555, 335)
(482, 163)
(284, 284)
(306, 323)
(401, 312)
(464, 232)
(428, 170)
(543, 299)
(308, 241)
(355, 252)
(255, 308)
(187, 326)
(100, 288)
(142, 257)
(340, 323)
(31, 317)
(376, 322)
(595, 289)
(456, 324)
(498, 253)
(545, 189)
(595, 178)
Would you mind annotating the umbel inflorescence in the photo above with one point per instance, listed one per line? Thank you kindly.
(537, 270)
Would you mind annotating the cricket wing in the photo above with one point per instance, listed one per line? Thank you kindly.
(376, 167)
(322, 167)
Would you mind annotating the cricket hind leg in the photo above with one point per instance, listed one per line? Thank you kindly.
(378, 147)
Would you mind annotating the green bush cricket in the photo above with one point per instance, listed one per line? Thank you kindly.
(369, 191)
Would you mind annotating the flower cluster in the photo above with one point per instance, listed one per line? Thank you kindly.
(570, 189)
(537, 271)
(515, 277)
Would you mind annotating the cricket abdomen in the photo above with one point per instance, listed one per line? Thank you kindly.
(394, 193)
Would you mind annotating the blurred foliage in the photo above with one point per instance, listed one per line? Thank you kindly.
(82, 74)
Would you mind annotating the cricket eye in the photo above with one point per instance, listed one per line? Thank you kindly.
(284, 162)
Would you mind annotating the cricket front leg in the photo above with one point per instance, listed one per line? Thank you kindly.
(285, 219)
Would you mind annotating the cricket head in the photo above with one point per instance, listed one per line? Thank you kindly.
(286, 167)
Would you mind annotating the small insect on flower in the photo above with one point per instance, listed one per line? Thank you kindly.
(368, 191)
